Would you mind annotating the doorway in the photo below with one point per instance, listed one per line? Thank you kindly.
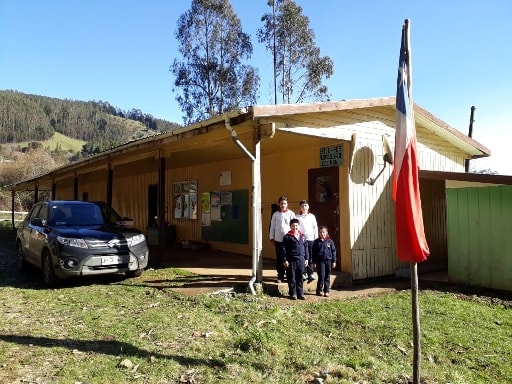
(152, 205)
(323, 195)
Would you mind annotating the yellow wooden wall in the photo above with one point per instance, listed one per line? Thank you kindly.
(94, 184)
(283, 173)
(130, 189)
(64, 188)
(207, 177)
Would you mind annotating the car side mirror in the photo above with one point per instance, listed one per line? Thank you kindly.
(126, 222)
(38, 222)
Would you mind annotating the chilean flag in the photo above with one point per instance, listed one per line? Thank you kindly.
(411, 244)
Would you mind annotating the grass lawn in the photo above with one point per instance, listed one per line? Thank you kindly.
(111, 330)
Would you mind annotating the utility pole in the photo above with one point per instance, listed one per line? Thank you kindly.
(470, 134)
(275, 49)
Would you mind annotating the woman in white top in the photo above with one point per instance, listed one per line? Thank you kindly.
(309, 227)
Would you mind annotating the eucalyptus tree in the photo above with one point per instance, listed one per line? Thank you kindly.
(211, 77)
(298, 67)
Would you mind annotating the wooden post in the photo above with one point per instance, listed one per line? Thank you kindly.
(13, 192)
(415, 324)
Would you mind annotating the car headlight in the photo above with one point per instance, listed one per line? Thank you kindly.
(72, 242)
(137, 239)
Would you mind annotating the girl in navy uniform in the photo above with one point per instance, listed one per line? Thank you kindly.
(324, 260)
(295, 259)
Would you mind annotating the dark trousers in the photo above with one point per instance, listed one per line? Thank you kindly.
(309, 268)
(294, 273)
(279, 260)
(323, 270)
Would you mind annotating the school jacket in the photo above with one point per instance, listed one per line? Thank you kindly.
(294, 249)
(324, 250)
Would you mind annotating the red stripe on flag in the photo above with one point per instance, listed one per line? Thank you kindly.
(411, 244)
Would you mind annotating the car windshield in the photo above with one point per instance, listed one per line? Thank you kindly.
(77, 214)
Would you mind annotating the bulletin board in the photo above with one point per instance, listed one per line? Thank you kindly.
(231, 222)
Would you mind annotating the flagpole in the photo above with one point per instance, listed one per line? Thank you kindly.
(410, 235)
(416, 365)
(415, 324)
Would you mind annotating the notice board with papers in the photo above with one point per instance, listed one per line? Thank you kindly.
(231, 224)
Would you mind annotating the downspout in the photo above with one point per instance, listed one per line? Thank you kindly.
(238, 142)
(255, 250)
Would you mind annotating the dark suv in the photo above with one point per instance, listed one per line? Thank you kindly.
(67, 238)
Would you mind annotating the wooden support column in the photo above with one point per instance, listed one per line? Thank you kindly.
(110, 182)
(161, 206)
(256, 226)
(75, 188)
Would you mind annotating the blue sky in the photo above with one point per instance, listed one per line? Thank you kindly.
(120, 52)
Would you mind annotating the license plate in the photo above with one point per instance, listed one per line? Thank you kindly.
(111, 260)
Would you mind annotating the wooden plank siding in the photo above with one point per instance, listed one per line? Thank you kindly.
(130, 189)
(64, 188)
(479, 219)
(372, 219)
(372, 215)
(94, 184)
(433, 204)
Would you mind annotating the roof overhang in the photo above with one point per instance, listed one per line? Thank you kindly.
(469, 177)
(209, 140)
(328, 114)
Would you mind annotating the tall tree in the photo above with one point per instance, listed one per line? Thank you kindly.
(211, 78)
(298, 67)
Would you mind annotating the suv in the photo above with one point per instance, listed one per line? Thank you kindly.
(67, 238)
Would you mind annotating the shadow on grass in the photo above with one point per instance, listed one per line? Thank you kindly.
(107, 347)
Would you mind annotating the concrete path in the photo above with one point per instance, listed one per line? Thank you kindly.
(222, 271)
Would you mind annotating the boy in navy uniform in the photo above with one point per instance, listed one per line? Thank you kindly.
(295, 258)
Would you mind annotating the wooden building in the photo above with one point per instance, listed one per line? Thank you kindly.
(215, 181)
(478, 211)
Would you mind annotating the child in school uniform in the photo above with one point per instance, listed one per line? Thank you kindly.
(324, 260)
(309, 228)
(295, 259)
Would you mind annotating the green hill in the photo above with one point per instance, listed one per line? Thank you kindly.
(88, 127)
(58, 140)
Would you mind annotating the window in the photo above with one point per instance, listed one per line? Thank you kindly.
(185, 200)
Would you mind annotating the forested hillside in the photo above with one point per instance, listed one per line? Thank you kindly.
(32, 118)
(39, 134)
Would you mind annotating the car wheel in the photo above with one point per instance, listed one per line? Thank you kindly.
(50, 279)
(136, 273)
(21, 263)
